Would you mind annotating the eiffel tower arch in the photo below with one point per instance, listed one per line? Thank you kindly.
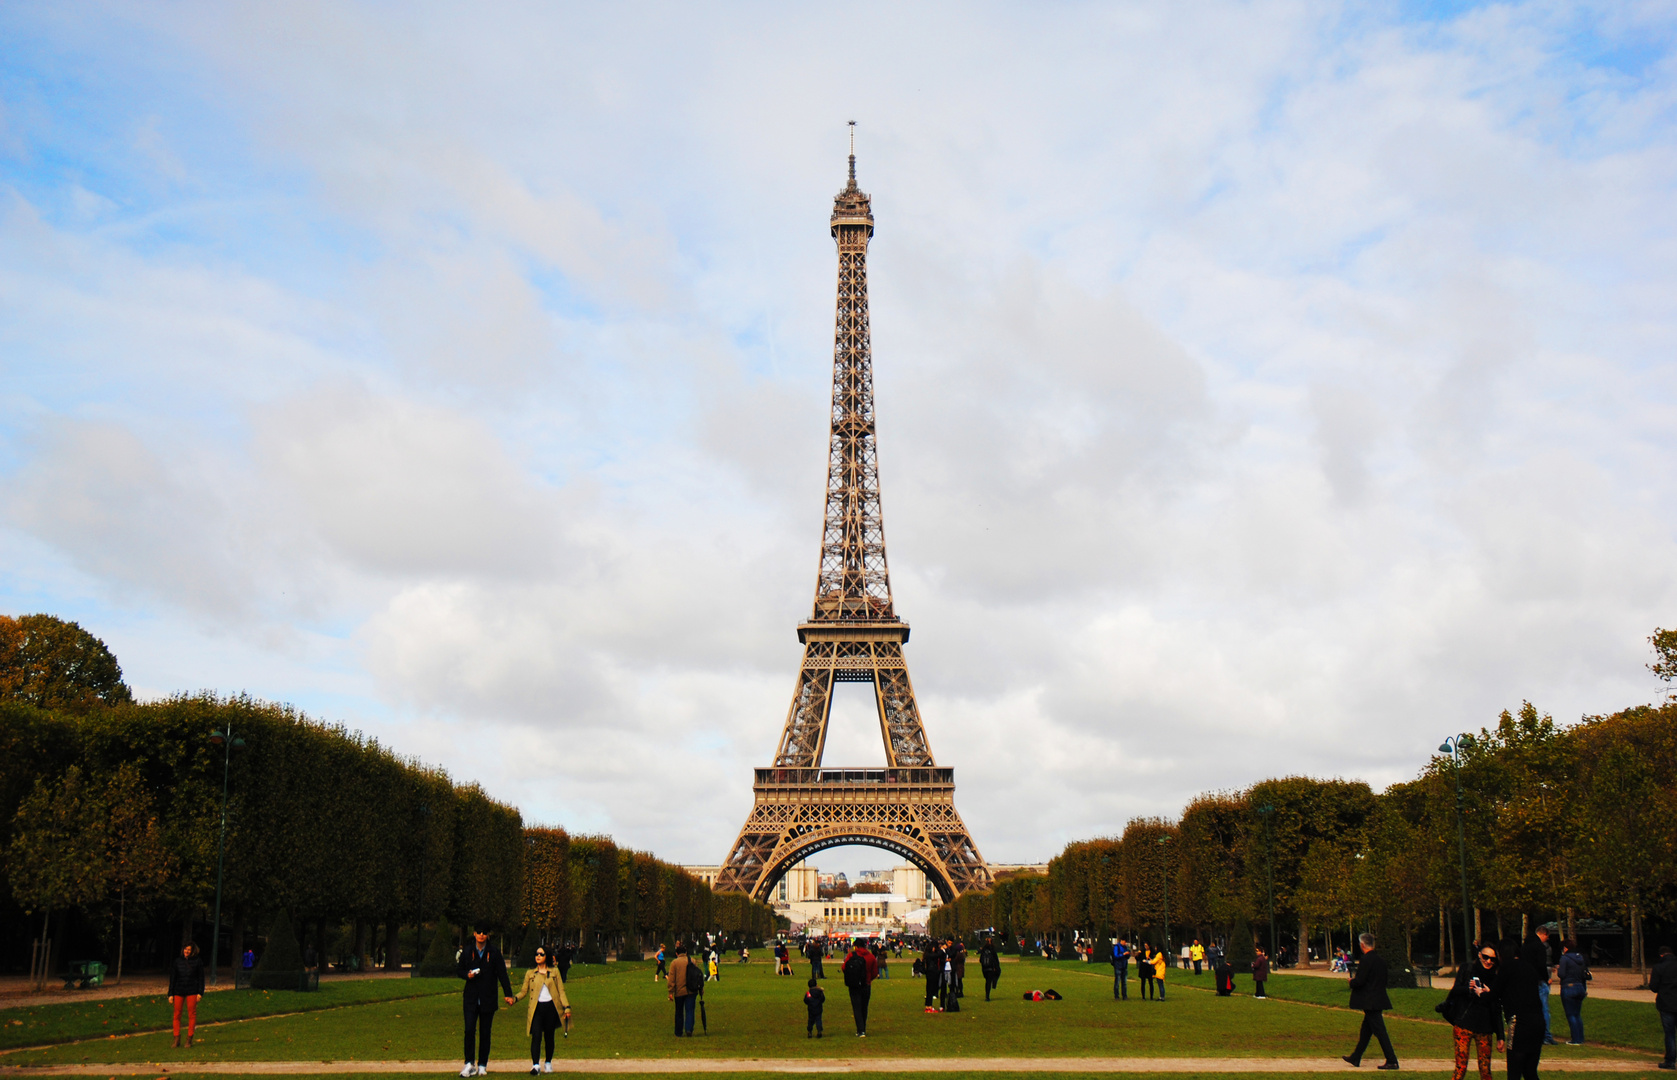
(799, 806)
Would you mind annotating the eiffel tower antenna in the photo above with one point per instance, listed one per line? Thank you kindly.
(853, 635)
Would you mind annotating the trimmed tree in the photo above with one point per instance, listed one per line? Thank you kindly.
(281, 964)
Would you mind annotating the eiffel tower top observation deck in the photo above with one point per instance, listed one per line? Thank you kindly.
(853, 635)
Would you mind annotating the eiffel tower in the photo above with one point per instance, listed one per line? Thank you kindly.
(800, 806)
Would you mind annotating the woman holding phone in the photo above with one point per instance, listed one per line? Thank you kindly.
(1475, 1012)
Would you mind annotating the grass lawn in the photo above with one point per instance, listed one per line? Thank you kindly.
(38, 1025)
(755, 1014)
(1616, 1023)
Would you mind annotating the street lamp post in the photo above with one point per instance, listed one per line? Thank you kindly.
(1267, 812)
(1164, 842)
(1453, 747)
(228, 743)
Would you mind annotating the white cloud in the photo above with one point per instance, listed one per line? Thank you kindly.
(1261, 388)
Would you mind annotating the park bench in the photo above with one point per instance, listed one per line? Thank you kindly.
(85, 975)
(1424, 973)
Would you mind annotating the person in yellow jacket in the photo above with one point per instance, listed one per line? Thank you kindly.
(1196, 953)
(1159, 966)
(548, 1008)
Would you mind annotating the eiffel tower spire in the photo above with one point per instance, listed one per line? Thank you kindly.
(853, 635)
(853, 582)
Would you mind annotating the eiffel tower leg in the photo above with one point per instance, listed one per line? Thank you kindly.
(899, 716)
(805, 735)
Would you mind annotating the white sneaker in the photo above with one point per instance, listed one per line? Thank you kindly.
(547, 1066)
(483, 1070)
(469, 1070)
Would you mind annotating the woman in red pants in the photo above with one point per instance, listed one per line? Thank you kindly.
(186, 986)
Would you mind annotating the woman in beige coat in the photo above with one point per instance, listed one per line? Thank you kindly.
(546, 991)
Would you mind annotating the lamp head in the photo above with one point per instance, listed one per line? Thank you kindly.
(1448, 747)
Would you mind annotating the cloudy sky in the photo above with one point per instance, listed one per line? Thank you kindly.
(1263, 388)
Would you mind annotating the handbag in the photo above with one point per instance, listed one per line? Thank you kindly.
(1453, 1008)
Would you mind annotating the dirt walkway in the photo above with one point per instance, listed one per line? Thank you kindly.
(1611, 984)
(806, 1065)
(16, 991)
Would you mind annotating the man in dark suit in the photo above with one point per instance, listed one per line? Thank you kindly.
(1368, 993)
(481, 966)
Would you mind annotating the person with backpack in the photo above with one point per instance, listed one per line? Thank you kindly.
(860, 969)
(989, 965)
(1573, 973)
(1120, 970)
(686, 982)
(815, 999)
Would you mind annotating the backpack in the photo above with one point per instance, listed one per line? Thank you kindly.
(695, 977)
(855, 972)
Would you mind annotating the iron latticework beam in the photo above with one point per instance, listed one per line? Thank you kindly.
(853, 635)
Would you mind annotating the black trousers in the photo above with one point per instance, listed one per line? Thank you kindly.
(1374, 1025)
(1522, 1064)
(932, 982)
(859, 1007)
(990, 981)
(480, 1018)
(545, 1022)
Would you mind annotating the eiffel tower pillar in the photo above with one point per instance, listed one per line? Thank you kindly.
(799, 806)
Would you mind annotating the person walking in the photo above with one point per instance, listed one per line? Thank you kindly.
(482, 967)
(686, 981)
(715, 968)
(1662, 980)
(1196, 953)
(1573, 972)
(813, 950)
(562, 957)
(1368, 996)
(1260, 973)
(1517, 982)
(1474, 1013)
(860, 969)
(1535, 952)
(658, 976)
(1120, 970)
(186, 986)
(989, 965)
(1144, 970)
(1161, 961)
(815, 999)
(958, 965)
(932, 964)
(548, 1008)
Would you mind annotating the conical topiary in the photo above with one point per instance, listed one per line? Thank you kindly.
(1389, 942)
(439, 957)
(526, 957)
(281, 964)
(1241, 951)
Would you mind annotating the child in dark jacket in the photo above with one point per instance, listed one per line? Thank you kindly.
(814, 999)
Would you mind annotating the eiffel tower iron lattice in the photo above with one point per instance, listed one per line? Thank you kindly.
(854, 635)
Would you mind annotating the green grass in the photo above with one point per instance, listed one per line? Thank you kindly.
(41, 1025)
(621, 1012)
(1616, 1023)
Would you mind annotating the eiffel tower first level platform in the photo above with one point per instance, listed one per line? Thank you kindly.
(854, 635)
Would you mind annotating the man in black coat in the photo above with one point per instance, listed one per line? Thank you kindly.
(1662, 980)
(480, 964)
(1368, 994)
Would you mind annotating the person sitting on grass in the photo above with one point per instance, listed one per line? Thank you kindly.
(1225, 977)
(814, 1000)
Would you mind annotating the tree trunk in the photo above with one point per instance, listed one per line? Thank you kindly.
(1636, 939)
(1572, 924)
(1478, 928)
(46, 951)
(236, 942)
(392, 944)
(1408, 945)
(362, 936)
(1500, 935)
(121, 926)
(1304, 942)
